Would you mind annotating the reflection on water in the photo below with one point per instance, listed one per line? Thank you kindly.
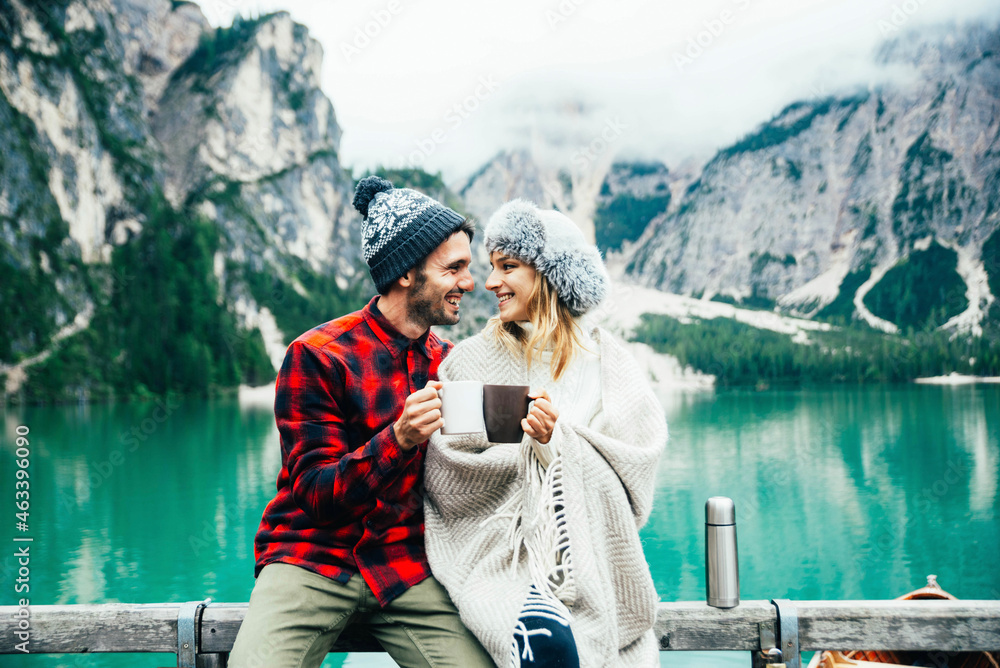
(842, 493)
(855, 493)
(136, 503)
(983, 491)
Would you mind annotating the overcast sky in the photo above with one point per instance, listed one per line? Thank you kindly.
(445, 84)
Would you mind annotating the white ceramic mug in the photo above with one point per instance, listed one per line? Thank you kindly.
(462, 407)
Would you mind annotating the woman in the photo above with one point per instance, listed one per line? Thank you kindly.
(537, 542)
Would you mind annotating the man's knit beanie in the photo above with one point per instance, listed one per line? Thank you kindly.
(401, 227)
(555, 247)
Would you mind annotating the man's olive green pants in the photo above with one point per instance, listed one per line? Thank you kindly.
(296, 615)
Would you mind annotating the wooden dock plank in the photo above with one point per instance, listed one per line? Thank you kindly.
(106, 627)
(948, 626)
(686, 625)
(693, 625)
(122, 627)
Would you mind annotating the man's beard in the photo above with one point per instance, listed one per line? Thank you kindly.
(425, 309)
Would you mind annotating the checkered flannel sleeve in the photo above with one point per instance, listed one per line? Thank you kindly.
(324, 472)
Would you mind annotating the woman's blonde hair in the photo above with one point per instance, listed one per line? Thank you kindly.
(553, 327)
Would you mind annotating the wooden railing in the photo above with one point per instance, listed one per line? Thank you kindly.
(202, 635)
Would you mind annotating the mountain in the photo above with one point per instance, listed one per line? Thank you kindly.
(612, 202)
(872, 215)
(250, 143)
(632, 194)
(173, 209)
(882, 206)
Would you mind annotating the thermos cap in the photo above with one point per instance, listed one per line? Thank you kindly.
(720, 510)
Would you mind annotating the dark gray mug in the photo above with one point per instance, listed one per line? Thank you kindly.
(504, 406)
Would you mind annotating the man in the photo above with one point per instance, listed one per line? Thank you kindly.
(342, 542)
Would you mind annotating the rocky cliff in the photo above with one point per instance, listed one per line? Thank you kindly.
(881, 205)
(249, 137)
(150, 156)
(250, 142)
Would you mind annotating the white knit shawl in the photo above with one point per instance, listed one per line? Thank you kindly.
(608, 471)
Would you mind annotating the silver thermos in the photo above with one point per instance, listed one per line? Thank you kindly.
(722, 571)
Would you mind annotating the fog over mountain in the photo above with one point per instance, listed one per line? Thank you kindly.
(686, 78)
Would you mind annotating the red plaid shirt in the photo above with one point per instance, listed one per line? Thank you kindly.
(350, 500)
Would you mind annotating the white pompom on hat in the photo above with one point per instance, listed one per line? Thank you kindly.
(555, 247)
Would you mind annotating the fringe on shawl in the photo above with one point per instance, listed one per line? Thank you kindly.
(548, 549)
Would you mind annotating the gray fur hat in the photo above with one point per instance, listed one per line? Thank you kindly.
(555, 247)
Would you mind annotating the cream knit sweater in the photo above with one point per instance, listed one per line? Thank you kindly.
(484, 517)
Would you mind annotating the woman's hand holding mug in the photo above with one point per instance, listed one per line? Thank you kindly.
(541, 420)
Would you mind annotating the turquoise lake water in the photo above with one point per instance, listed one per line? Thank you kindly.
(840, 494)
